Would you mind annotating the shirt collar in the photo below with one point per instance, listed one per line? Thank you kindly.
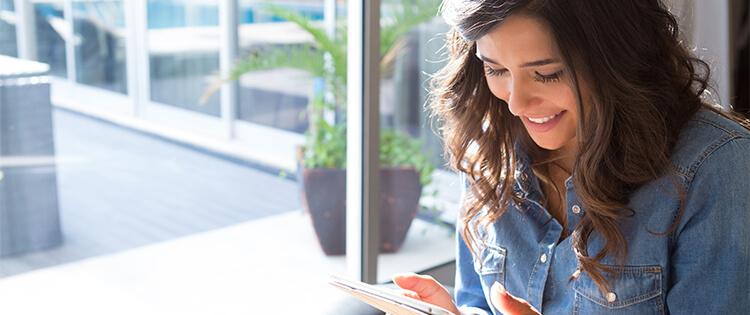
(527, 185)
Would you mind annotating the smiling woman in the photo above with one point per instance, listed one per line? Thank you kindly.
(597, 168)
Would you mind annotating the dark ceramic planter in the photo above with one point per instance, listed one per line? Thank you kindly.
(325, 201)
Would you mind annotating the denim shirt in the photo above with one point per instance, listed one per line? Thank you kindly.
(703, 267)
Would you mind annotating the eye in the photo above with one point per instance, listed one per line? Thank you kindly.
(494, 72)
(548, 78)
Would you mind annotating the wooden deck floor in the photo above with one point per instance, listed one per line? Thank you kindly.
(120, 189)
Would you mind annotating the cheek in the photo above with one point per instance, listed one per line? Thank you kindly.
(496, 87)
(564, 97)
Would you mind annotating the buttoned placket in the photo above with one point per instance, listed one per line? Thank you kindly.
(574, 209)
(549, 243)
(530, 191)
(545, 256)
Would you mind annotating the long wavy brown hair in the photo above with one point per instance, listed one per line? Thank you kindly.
(641, 87)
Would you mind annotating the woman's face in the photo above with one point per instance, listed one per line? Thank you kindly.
(524, 68)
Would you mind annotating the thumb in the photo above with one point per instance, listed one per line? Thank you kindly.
(506, 303)
(427, 289)
(424, 286)
(414, 282)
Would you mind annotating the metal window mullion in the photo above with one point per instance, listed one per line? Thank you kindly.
(132, 47)
(70, 41)
(25, 29)
(140, 52)
(228, 24)
(363, 116)
(329, 16)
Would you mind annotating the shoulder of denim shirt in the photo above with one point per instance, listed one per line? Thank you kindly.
(706, 132)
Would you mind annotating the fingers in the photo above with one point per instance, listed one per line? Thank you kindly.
(427, 289)
(407, 293)
(422, 285)
(509, 304)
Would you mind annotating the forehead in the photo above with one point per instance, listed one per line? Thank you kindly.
(518, 39)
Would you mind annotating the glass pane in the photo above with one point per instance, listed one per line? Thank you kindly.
(183, 46)
(413, 179)
(100, 47)
(51, 30)
(7, 28)
(284, 85)
(276, 93)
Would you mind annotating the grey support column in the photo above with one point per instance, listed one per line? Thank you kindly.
(29, 217)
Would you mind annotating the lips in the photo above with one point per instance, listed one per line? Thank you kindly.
(542, 123)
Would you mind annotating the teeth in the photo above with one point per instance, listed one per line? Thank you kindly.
(543, 119)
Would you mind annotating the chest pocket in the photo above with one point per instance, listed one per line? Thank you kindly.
(491, 264)
(635, 290)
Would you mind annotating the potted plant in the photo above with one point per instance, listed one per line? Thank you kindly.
(405, 169)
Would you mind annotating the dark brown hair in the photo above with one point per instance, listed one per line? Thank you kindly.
(642, 87)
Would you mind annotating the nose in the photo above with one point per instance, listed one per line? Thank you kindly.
(518, 97)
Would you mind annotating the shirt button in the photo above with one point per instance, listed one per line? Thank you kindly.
(543, 259)
(576, 209)
(611, 297)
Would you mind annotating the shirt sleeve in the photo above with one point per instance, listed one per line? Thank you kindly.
(710, 268)
(469, 296)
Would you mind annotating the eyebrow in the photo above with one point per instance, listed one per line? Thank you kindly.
(536, 63)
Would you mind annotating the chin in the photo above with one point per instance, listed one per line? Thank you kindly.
(549, 145)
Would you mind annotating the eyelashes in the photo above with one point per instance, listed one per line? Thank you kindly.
(539, 77)
(547, 78)
(493, 72)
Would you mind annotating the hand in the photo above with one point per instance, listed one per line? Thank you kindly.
(426, 289)
(509, 304)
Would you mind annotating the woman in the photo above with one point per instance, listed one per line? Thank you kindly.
(599, 179)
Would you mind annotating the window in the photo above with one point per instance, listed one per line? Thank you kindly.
(7, 28)
(183, 49)
(170, 202)
(51, 32)
(100, 46)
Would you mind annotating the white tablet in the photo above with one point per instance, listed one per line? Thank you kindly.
(386, 300)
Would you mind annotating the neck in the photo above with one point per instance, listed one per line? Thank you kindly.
(565, 157)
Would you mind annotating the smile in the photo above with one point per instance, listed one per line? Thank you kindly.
(542, 120)
(544, 123)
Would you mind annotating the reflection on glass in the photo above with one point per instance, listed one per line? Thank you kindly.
(278, 95)
(7, 28)
(410, 57)
(51, 33)
(411, 37)
(99, 27)
(183, 46)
